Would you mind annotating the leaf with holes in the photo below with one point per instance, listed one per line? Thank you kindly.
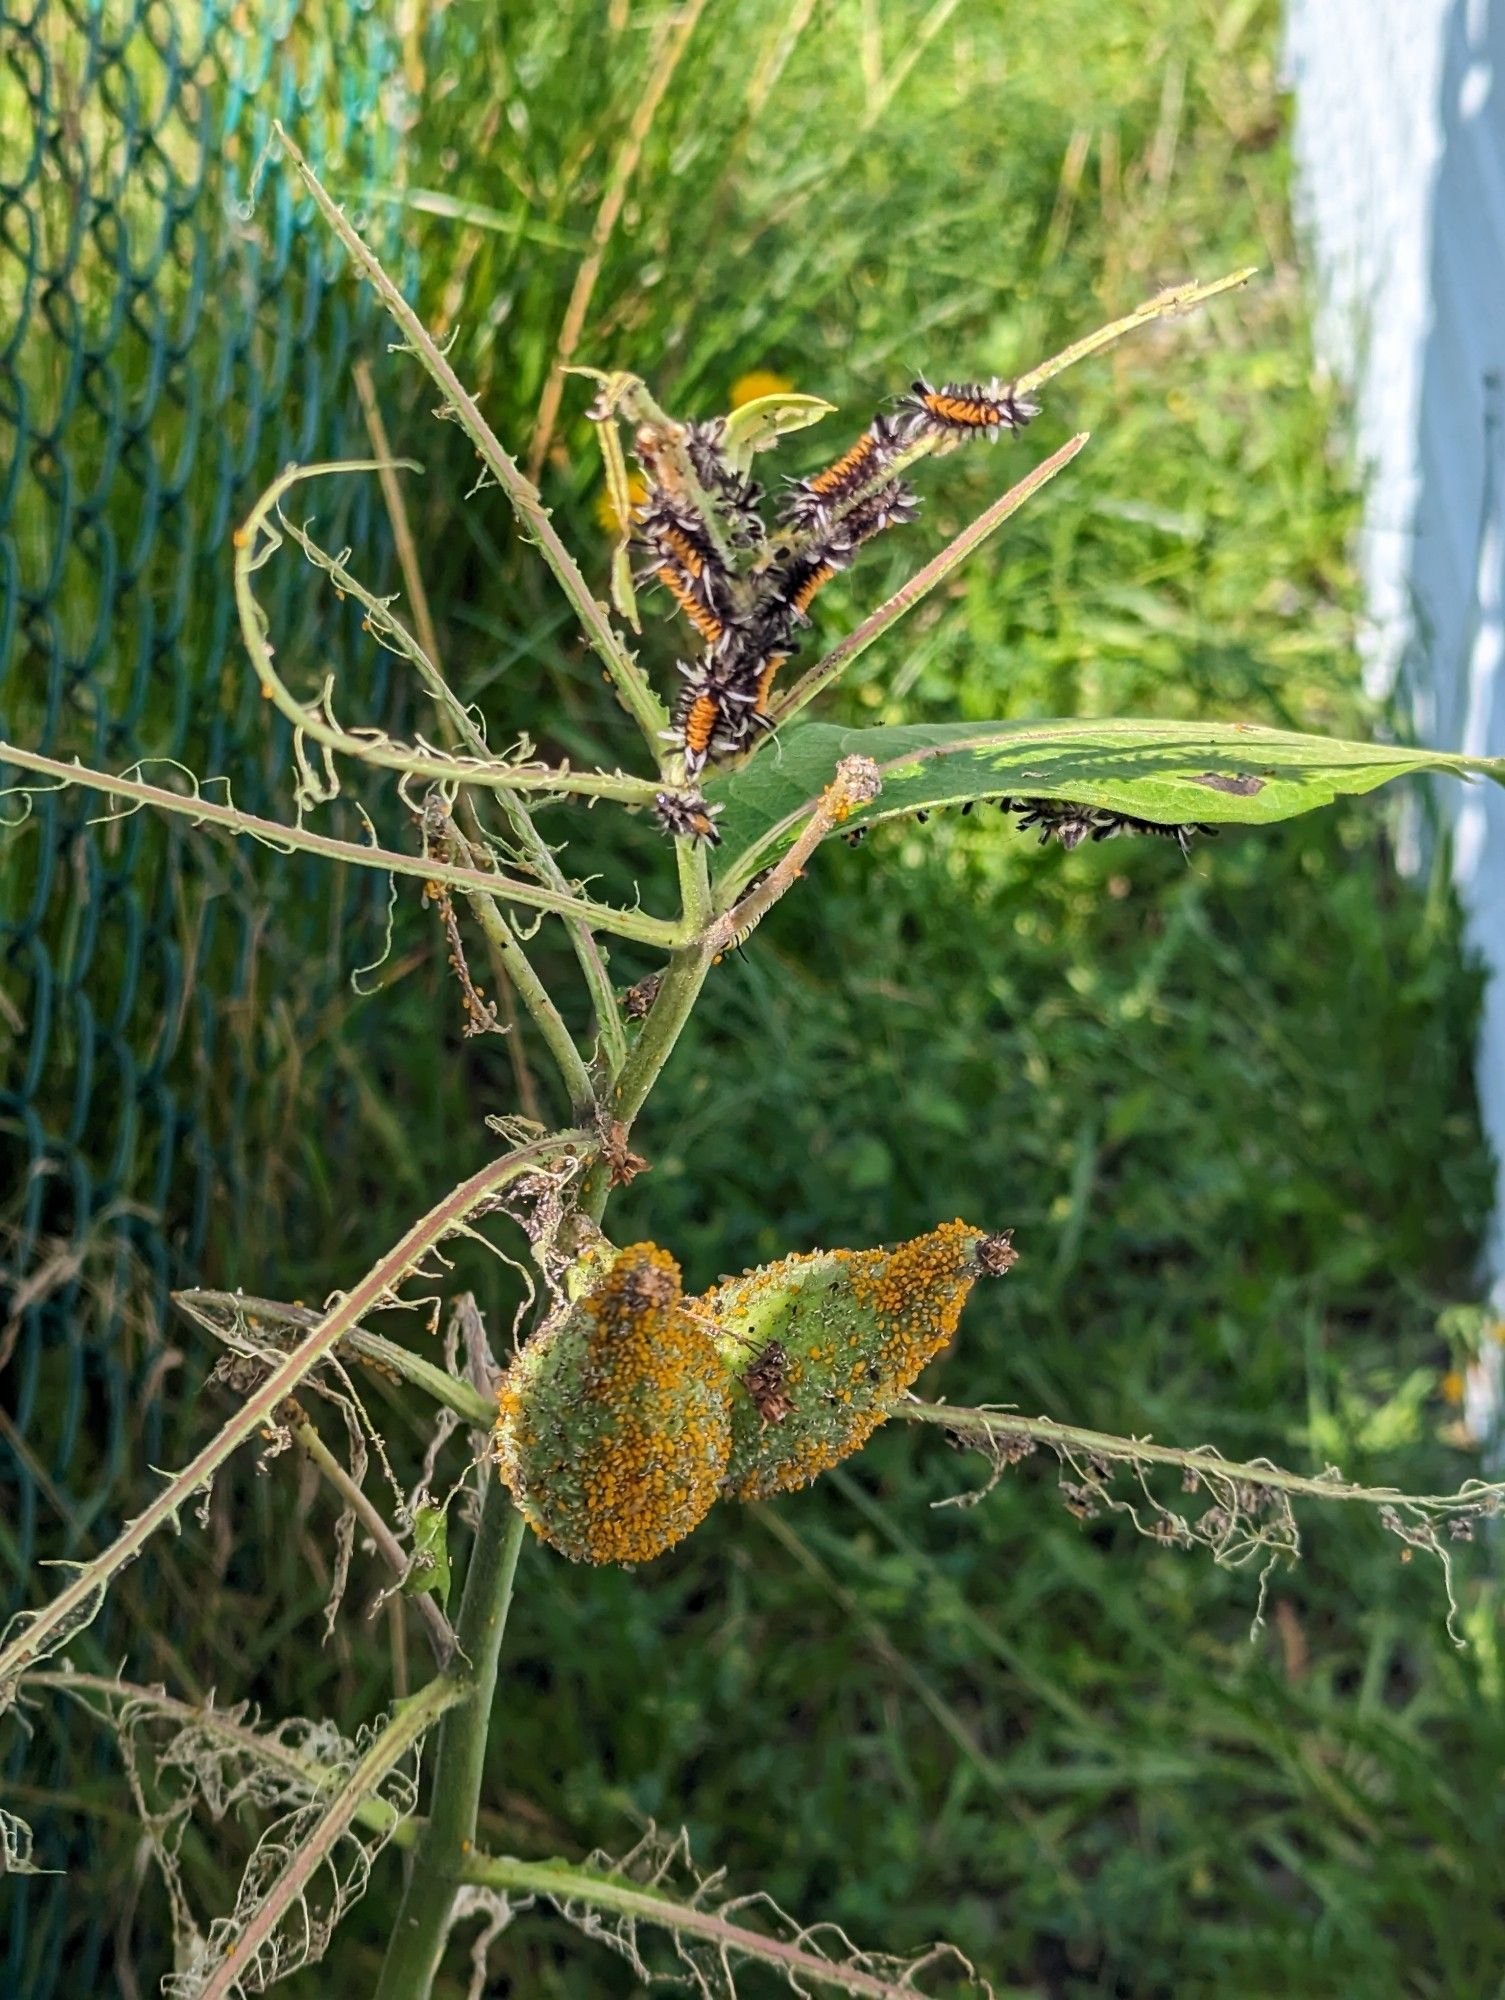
(1218, 773)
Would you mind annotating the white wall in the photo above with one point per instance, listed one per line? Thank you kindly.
(1400, 150)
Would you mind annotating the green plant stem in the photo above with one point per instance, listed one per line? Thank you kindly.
(256, 541)
(683, 979)
(531, 990)
(224, 1313)
(642, 703)
(565, 1883)
(300, 839)
(568, 1885)
(422, 1923)
(983, 1426)
(421, 650)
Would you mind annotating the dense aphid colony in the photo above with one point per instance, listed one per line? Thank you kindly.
(836, 1338)
(614, 1424)
(746, 586)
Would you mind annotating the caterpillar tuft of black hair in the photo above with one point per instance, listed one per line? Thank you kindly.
(892, 506)
(737, 497)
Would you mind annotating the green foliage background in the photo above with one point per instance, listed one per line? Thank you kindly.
(1225, 1106)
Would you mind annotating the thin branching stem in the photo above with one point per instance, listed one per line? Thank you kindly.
(257, 540)
(562, 1882)
(638, 697)
(459, 724)
(302, 840)
(37, 1634)
(591, 1889)
(923, 582)
(241, 1321)
(531, 989)
(1165, 305)
(984, 1426)
(297, 1766)
(441, 1632)
(387, 1749)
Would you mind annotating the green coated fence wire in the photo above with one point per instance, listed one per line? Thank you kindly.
(165, 345)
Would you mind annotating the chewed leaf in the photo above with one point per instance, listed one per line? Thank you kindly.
(1213, 773)
(756, 425)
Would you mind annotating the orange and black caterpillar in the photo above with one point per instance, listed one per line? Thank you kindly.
(867, 460)
(966, 409)
(687, 563)
(707, 546)
(713, 716)
(686, 816)
(693, 601)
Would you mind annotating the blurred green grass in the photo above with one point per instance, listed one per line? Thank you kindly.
(1226, 1106)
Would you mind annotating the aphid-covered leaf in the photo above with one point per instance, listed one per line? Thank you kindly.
(824, 1346)
(756, 425)
(1214, 773)
(430, 1567)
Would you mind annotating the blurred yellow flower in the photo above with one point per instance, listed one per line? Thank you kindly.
(606, 513)
(1452, 1387)
(758, 382)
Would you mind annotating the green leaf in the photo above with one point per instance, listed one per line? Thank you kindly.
(763, 421)
(430, 1567)
(1220, 773)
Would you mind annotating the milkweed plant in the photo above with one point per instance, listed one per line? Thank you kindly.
(630, 1408)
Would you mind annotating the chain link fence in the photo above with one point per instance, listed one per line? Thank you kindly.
(164, 347)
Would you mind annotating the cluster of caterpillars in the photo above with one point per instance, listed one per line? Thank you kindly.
(746, 586)
(1070, 823)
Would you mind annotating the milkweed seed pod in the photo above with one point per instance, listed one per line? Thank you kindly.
(615, 1423)
(824, 1346)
